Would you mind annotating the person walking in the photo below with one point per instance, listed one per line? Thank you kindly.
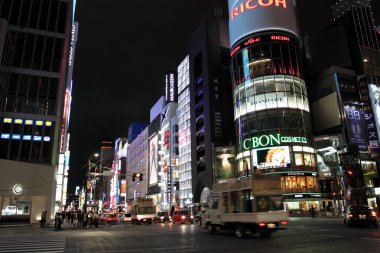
(85, 219)
(59, 221)
(96, 219)
(80, 218)
(91, 219)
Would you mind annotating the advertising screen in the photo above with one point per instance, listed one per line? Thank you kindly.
(355, 126)
(153, 162)
(252, 16)
(268, 158)
(225, 164)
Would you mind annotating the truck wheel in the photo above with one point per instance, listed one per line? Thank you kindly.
(211, 228)
(239, 231)
(265, 234)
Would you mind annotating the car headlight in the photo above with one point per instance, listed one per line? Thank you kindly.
(192, 217)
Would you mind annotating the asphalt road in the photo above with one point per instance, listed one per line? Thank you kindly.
(304, 235)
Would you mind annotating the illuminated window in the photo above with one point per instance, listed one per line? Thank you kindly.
(19, 121)
(7, 120)
(27, 137)
(48, 123)
(5, 136)
(46, 138)
(29, 122)
(37, 138)
(16, 137)
(39, 123)
(307, 159)
(299, 160)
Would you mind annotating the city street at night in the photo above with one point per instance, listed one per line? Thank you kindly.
(302, 235)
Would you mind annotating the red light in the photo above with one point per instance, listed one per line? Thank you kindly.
(262, 225)
(284, 222)
(350, 216)
(281, 38)
(349, 172)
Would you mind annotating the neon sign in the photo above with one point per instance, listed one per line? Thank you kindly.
(271, 140)
(253, 4)
(262, 38)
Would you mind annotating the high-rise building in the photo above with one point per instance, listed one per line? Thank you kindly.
(344, 69)
(33, 101)
(271, 107)
(209, 90)
(184, 134)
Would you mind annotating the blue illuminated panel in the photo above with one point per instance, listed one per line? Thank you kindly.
(37, 138)
(16, 137)
(5, 136)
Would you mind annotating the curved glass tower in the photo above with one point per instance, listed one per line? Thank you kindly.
(271, 107)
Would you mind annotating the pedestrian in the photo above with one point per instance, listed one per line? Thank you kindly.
(312, 212)
(72, 217)
(96, 219)
(85, 219)
(91, 219)
(75, 219)
(59, 221)
(80, 218)
(56, 220)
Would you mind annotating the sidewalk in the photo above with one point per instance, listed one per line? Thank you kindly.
(9, 225)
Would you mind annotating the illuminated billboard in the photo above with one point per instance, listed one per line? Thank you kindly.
(268, 158)
(374, 93)
(252, 16)
(355, 126)
(153, 161)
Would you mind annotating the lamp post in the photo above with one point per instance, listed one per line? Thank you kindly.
(87, 176)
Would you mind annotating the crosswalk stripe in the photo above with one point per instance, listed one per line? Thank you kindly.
(27, 245)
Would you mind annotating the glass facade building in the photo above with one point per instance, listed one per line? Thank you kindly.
(184, 133)
(272, 115)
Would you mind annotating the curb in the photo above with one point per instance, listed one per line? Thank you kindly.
(15, 225)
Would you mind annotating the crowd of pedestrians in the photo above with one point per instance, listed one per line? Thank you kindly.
(76, 218)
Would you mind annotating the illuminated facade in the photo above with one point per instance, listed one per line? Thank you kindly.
(184, 133)
(33, 107)
(271, 107)
(137, 162)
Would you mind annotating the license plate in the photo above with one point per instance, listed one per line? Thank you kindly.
(362, 217)
(271, 225)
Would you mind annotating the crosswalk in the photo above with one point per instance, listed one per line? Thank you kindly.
(33, 245)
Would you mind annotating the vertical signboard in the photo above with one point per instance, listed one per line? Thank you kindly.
(153, 161)
(374, 94)
(355, 126)
(372, 135)
(171, 87)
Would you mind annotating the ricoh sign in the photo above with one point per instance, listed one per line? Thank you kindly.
(252, 16)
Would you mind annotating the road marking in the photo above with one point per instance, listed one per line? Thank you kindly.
(373, 239)
(26, 245)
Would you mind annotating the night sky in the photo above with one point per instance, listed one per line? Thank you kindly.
(124, 48)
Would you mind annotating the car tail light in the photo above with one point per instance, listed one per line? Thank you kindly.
(374, 214)
(350, 216)
(284, 222)
(262, 224)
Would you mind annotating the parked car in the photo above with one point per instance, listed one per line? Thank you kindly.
(182, 216)
(360, 215)
(161, 217)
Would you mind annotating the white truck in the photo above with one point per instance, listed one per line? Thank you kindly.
(252, 205)
(142, 211)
